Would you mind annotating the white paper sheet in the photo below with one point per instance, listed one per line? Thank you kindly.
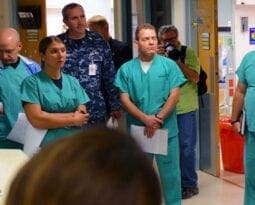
(33, 139)
(23, 132)
(112, 124)
(155, 145)
(18, 131)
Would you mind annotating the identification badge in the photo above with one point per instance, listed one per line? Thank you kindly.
(92, 69)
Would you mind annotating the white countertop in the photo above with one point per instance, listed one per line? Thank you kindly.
(10, 162)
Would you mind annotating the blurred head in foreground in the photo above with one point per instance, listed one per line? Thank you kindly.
(95, 167)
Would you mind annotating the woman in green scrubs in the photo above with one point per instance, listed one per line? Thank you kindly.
(51, 99)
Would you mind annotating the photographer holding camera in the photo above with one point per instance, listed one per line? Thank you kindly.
(187, 106)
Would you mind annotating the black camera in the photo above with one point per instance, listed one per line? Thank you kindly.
(172, 52)
(168, 48)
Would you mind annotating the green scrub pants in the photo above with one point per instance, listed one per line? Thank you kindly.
(249, 163)
(169, 171)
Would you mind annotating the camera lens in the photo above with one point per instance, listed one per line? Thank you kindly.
(169, 48)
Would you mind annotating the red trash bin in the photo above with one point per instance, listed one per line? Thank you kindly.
(232, 147)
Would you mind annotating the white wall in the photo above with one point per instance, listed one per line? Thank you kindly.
(241, 43)
(178, 18)
(247, 2)
(5, 18)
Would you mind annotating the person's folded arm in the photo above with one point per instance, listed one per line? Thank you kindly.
(151, 122)
(45, 120)
(82, 109)
(189, 73)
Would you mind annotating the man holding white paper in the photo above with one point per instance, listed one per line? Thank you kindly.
(149, 86)
(14, 68)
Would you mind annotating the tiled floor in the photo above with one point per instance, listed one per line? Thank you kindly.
(10, 162)
(226, 190)
(234, 178)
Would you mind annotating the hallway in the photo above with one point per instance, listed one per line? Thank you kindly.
(226, 190)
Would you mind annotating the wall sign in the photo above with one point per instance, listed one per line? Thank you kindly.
(244, 24)
(252, 35)
(205, 41)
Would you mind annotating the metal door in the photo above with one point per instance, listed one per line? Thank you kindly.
(207, 24)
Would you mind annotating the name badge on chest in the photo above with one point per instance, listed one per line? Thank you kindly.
(92, 69)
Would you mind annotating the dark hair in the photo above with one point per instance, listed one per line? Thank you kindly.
(166, 28)
(46, 42)
(67, 7)
(97, 166)
(143, 26)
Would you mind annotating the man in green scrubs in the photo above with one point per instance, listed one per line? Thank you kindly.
(149, 91)
(13, 69)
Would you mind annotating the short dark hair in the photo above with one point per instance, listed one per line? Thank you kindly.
(67, 7)
(143, 26)
(97, 166)
(166, 28)
(45, 43)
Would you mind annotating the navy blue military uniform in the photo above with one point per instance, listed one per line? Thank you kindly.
(90, 60)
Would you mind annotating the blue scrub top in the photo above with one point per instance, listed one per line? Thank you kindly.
(40, 89)
(150, 91)
(246, 75)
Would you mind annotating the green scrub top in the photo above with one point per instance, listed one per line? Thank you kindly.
(149, 91)
(245, 73)
(40, 89)
(10, 83)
